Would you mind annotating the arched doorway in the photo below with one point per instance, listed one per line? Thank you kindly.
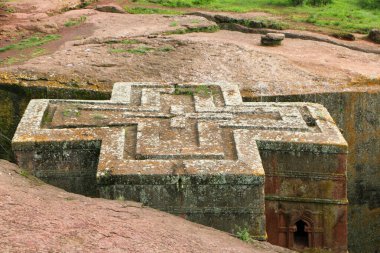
(301, 236)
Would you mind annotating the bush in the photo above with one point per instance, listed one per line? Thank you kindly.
(181, 3)
(370, 3)
(201, 2)
(297, 2)
(315, 2)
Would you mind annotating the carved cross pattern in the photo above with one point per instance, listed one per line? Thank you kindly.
(151, 128)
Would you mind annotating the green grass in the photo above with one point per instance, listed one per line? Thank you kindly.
(129, 42)
(201, 90)
(208, 29)
(24, 173)
(38, 52)
(263, 23)
(244, 235)
(140, 50)
(47, 117)
(173, 24)
(143, 10)
(125, 42)
(166, 49)
(344, 15)
(75, 21)
(33, 180)
(34, 41)
(10, 60)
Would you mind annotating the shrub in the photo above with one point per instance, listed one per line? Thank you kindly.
(319, 2)
(370, 3)
(297, 2)
(181, 3)
(201, 2)
(244, 235)
(313, 2)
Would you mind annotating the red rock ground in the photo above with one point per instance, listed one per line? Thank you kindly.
(223, 56)
(36, 217)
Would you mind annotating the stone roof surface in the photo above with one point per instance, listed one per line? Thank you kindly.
(180, 126)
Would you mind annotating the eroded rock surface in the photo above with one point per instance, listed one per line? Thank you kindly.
(35, 217)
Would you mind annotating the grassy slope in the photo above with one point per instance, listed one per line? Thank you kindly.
(344, 15)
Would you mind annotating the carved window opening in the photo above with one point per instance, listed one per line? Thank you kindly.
(301, 236)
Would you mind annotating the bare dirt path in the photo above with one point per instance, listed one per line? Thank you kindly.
(35, 217)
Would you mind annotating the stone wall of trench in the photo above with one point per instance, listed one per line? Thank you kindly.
(356, 113)
(358, 116)
(15, 98)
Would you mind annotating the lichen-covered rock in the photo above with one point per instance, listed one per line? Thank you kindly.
(197, 151)
(374, 35)
(272, 39)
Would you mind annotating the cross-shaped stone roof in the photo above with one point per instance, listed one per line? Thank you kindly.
(186, 123)
(164, 134)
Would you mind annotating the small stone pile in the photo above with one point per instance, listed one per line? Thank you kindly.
(272, 39)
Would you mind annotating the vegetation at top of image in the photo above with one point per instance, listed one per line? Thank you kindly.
(143, 10)
(370, 3)
(341, 15)
(181, 3)
(34, 41)
(75, 21)
(311, 2)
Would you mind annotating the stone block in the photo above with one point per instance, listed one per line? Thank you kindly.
(272, 39)
(197, 151)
